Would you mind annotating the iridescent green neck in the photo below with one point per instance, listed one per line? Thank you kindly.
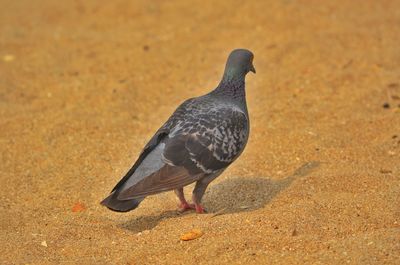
(233, 73)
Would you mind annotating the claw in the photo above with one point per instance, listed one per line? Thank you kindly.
(184, 206)
(199, 208)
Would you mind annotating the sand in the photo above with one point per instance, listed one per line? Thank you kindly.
(85, 84)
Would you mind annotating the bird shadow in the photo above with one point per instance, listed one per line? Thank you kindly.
(230, 196)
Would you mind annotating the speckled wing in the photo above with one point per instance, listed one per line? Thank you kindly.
(196, 144)
(208, 142)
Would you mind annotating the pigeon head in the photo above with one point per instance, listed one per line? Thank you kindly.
(239, 63)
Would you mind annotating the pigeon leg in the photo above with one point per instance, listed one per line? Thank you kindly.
(183, 205)
(200, 188)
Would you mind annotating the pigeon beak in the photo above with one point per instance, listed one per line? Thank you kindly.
(252, 69)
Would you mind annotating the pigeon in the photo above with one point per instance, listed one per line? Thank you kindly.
(197, 143)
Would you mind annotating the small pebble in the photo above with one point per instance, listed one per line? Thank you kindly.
(386, 105)
(44, 244)
(78, 207)
(195, 233)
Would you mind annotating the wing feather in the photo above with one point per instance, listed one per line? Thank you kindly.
(208, 149)
(184, 150)
(167, 178)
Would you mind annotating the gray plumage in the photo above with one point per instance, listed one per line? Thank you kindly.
(202, 138)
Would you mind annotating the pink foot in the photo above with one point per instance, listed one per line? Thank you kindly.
(184, 206)
(199, 208)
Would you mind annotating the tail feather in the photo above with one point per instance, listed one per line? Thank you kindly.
(149, 161)
(112, 203)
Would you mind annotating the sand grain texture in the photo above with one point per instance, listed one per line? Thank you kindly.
(84, 85)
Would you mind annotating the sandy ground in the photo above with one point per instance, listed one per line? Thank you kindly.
(84, 85)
